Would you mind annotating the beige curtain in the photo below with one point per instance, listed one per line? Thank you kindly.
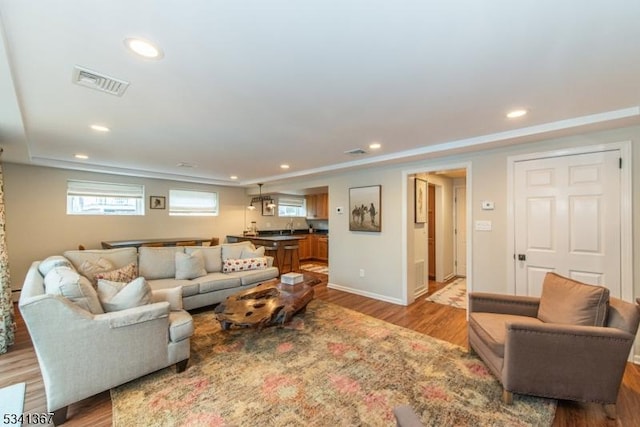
(7, 319)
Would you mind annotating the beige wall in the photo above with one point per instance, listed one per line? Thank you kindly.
(38, 226)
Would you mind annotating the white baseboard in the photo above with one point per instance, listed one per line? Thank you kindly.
(365, 293)
(636, 359)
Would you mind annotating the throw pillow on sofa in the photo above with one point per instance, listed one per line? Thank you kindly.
(190, 266)
(249, 253)
(123, 275)
(89, 269)
(234, 250)
(68, 283)
(53, 261)
(212, 257)
(116, 296)
(244, 264)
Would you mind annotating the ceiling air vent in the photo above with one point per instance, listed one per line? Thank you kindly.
(94, 80)
(356, 152)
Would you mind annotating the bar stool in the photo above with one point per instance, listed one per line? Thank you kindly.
(292, 251)
(272, 251)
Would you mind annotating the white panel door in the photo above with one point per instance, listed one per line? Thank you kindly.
(461, 231)
(567, 220)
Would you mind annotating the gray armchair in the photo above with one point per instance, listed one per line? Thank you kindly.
(82, 354)
(571, 343)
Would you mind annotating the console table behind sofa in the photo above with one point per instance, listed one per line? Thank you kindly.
(164, 242)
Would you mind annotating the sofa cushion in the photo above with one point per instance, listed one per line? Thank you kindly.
(116, 296)
(234, 250)
(172, 295)
(89, 269)
(249, 253)
(568, 301)
(53, 261)
(189, 266)
(492, 328)
(216, 281)
(118, 257)
(158, 263)
(123, 275)
(189, 287)
(212, 257)
(68, 283)
(180, 325)
(251, 277)
(231, 264)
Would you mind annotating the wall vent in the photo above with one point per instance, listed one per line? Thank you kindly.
(355, 152)
(98, 81)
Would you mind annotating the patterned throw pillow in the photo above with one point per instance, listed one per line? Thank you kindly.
(124, 274)
(244, 264)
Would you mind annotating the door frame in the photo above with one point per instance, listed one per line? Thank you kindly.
(407, 218)
(626, 213)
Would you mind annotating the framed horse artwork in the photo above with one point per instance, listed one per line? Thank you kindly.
(366, 208)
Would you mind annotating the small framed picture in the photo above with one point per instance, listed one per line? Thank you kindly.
(420, 201)
(266, 210)
(366, 208)
(157, 202)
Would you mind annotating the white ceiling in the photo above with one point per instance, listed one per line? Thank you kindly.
(247, 85)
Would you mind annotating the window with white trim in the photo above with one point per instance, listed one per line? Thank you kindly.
(193, 203)
(292, 206)
(104, 198)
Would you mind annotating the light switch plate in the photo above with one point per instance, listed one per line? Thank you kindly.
(483, 225)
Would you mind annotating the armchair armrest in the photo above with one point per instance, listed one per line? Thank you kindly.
(548, 360)
(503, 304)
(132, 316)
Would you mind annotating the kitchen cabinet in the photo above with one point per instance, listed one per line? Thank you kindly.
(317, 206)
(323, 248)
(305, 248)
(315, 246)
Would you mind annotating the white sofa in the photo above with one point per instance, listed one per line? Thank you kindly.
(81, 353)
(159, 267)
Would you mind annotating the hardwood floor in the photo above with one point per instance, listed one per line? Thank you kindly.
(443, 322)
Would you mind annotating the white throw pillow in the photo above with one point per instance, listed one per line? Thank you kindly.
(116, 296)
(190, 266)
(89, 269)
(212, 257)
(53, 261)
(248, 253)
(234, 250)
(68, 283)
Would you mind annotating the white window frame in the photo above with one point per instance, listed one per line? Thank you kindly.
(286, 203)
(104, 198)
(191, 209)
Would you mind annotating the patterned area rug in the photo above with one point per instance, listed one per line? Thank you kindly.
(316, 268)
(329, 367)
(454, 294)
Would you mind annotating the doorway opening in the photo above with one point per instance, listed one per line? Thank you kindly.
(434, 251)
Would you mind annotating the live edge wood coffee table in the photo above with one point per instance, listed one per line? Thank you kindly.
(269, 303)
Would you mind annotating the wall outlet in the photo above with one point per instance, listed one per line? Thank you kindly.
(362, 272)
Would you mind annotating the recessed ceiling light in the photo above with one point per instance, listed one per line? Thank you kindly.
(284, 166)
(100, 128)
(81, 156)
(233, 177)
(144, 48)
(375, 145)
(516, 113)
